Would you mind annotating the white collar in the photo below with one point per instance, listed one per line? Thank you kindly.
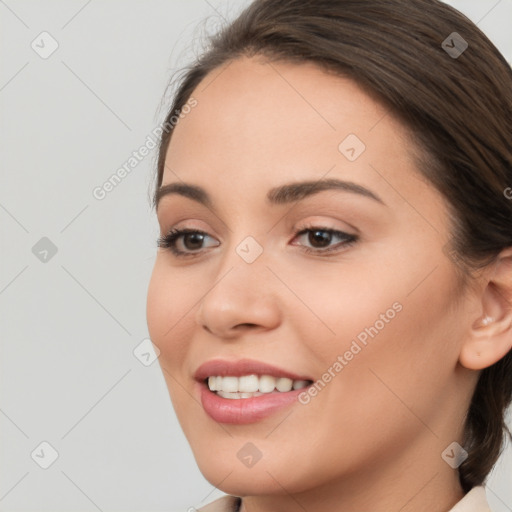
(474, 501)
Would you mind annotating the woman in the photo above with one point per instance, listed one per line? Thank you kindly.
(332, 296)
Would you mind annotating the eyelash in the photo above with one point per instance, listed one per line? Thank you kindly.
(168, 241)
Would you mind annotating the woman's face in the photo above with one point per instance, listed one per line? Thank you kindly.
(365, 302)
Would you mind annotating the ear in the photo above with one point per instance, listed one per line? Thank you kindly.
(490, 337)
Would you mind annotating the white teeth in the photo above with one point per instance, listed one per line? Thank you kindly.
(299, 384)
(230, 384)
(267, 384)
(247, 386)
(225, 394)
(284, 384)
(248, 383)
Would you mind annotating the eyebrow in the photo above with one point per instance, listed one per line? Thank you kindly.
(283, 194)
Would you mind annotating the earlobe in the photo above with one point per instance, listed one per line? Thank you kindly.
(490, 336)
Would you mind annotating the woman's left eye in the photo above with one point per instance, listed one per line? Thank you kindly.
(188, 242)
(322, 238)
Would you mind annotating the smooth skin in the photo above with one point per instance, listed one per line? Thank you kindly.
(372, 439)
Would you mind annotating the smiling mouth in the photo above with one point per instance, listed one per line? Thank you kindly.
(249, 386)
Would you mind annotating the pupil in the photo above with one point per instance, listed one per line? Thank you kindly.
(194, 238)
(322, 237)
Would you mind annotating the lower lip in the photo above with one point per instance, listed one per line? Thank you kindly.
(241, 411)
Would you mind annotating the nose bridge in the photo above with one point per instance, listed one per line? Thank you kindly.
(241, 291)
(244, 244)
(243, 268)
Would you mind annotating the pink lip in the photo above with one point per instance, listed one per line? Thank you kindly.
(244, 410)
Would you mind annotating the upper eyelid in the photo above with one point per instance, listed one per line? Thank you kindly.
(302, 205)
(309, 227)
(313, 223)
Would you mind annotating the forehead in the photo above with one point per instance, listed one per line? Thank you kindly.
(258, 100)
(257, 122)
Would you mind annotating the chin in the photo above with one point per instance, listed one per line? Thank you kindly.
(277, 469)
(243, 481)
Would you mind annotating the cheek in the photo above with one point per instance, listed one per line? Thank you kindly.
(169, 310)
(341, 303)
(169, 306)
(388, 342)
(157, 301)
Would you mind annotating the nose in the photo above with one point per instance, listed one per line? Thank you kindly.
(242, 297)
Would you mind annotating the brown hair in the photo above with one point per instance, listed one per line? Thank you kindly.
(458, 109)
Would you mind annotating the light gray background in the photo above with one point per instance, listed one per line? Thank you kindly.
(70, 325)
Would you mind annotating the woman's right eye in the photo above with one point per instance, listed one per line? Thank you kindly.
(181, 241)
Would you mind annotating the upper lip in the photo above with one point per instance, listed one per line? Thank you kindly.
(221, 367)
